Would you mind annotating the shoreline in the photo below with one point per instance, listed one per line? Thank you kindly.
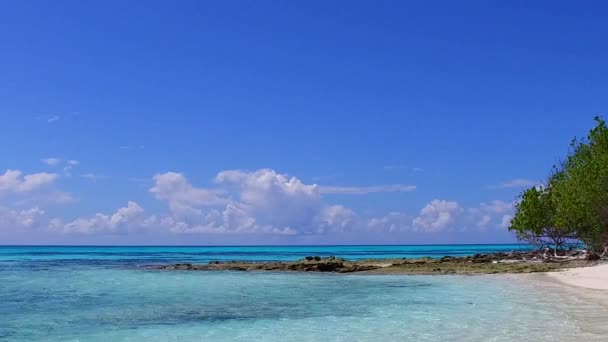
(593, 277)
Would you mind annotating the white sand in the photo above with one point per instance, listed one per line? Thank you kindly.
(593, 277)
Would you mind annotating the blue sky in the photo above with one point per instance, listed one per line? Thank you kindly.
(248, 122)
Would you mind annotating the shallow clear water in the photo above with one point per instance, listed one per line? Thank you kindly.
(92, 299)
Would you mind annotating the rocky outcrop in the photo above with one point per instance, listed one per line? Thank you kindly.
(308, 264)
(511, 262)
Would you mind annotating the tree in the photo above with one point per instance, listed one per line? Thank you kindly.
(534, 219)
(574, 203)
(583, 193)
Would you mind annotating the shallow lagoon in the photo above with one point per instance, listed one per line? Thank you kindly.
(90, 301)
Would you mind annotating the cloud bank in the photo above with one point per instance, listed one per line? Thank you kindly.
(262, 202)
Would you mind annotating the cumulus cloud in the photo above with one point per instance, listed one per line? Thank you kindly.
(253, 202)
(15, 181)
(262, 201)
(181, 196)
(437, 215)
(265, 201)
(363, 190)
(391, 222)
(489, 214)
(337, 218)
(505, 221)
(443, 215)
(264, 185)
(274, 199)
(231, 220)
(128, 217)
(20, 219)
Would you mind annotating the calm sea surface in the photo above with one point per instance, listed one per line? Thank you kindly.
(106, 294)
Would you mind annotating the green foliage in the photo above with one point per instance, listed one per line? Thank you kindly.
(533, 214)
(575, 201)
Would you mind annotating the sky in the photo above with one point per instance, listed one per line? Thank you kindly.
(287, 122)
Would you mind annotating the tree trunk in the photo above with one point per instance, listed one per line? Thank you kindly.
(555, 250)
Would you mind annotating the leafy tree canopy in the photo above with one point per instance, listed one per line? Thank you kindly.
(574, 202)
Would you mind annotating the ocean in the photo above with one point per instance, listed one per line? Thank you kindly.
(108, 294)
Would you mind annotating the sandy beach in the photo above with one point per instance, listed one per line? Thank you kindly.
(588, 286)
(593, 277)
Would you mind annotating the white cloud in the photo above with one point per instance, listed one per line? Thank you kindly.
(53, 118)
(496, 207)
(264, 201)
(337, 218)
(20, 219)
(274, 199)
(14, 181)
(51, 161)
(60, 197)
(484, 221)
(517, 183)
(261, 201)
(437, 216)
(362, 190)
(175, 189)
(129, 217)
(231, 220)
(491, 214)
(505, 221)
(69, 166)
(43, 198)
(442, 215)
(391, 222)
(249, 202)
(265, 186)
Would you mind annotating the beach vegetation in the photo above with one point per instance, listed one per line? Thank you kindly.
(573, 204)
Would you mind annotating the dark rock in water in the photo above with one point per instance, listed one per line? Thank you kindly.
(513, 262)
(329, 266)
(182, 266)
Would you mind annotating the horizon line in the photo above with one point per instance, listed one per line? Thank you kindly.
(329, 245)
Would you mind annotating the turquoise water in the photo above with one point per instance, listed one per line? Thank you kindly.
(102, 294)
(154, 254)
